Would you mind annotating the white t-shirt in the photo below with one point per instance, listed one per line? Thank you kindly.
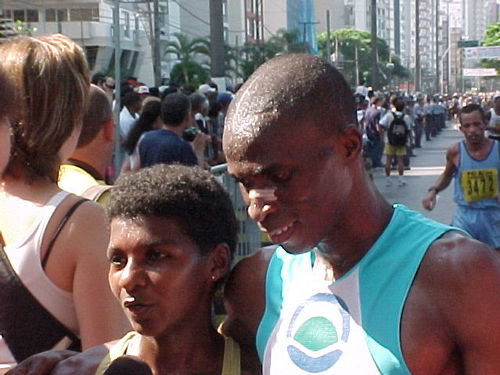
(126, 122)
(387, 119)
(494, 122)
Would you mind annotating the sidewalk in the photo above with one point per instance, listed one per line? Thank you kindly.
(425, 169)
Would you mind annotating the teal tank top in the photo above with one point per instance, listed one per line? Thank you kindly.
(368, 302)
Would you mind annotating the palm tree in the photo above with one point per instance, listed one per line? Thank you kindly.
(185, 50)
(288, 41)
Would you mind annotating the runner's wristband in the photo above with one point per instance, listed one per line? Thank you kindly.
(433, 188)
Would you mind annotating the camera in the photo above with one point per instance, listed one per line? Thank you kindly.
(189, 134)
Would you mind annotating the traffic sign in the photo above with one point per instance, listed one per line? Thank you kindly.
(487, 72)
(467, 43)
(492, 52)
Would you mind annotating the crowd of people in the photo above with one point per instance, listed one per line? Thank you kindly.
(127, 269)
(424, 116)
(195, 116)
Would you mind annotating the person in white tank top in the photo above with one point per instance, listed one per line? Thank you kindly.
(493, 128)
(51, 93)
(6, 108)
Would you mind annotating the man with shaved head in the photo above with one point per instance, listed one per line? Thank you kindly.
(356, 285)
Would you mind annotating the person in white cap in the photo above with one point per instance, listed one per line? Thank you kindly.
(203, 89)
(493, 127)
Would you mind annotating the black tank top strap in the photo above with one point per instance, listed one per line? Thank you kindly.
(63, 221)
(26, 326)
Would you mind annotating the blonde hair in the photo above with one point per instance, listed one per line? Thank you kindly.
(52, 79)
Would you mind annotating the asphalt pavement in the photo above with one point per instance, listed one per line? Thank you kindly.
(426, 166)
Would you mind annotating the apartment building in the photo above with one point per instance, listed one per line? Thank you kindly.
(291, 15)
(90, 23)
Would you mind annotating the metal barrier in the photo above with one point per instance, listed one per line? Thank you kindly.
(249, 235)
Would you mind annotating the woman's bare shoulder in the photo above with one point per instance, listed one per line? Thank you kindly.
(85, 363)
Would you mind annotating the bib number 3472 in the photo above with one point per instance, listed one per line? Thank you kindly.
(479, 184)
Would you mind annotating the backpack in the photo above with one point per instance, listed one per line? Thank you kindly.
(397, 132)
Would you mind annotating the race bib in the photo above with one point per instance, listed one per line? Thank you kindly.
(479, 184)
(497, 126)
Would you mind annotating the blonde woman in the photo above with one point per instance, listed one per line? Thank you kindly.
(53, 283)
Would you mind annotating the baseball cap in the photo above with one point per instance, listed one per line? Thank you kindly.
(496, 95)
(205, 88)
(224, 98)
(143, 90)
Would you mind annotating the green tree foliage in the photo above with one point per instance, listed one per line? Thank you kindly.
(188, 70)
(492, 38)
(284, 42)
(252, 55)
(195, 72)
(349, 42)
(23, 28)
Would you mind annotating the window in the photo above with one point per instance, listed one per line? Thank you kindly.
(126, 23)
(125, 60)
(133, 63)
(32, 15)
(7, 13)
(62, 15)
(84, 14)
(111, 66)
(164, 9)
(18, 15)
(50, 15)
(56, 15)
(91, 53)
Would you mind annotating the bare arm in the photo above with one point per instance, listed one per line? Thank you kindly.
(451, 320)
(126, 166)
(244, 300)
(478, 340)
(100, 317)
(429, 201)
(199, 144)
(85, 363)
(42, 363)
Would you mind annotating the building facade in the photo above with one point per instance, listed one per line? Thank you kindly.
(291, 15)
(90, 23)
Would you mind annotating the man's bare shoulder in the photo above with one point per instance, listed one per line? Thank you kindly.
(460, 256)
(244, 301)
(251, 269)
(450, 321)
(452, 151)
(244, 296)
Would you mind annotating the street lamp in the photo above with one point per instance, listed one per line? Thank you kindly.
(441, 63)
(390, 68)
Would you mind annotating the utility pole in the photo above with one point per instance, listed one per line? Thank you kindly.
(356, 62)
(397, 28)
(438, 85)
(156, 44)
(116, 37)
(304, 39)
(217, 44)
(417, 45)
(374, 44)
(328, 47)
(448, 31)
(258, 34)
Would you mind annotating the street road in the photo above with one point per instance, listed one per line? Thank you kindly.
(425, 169)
